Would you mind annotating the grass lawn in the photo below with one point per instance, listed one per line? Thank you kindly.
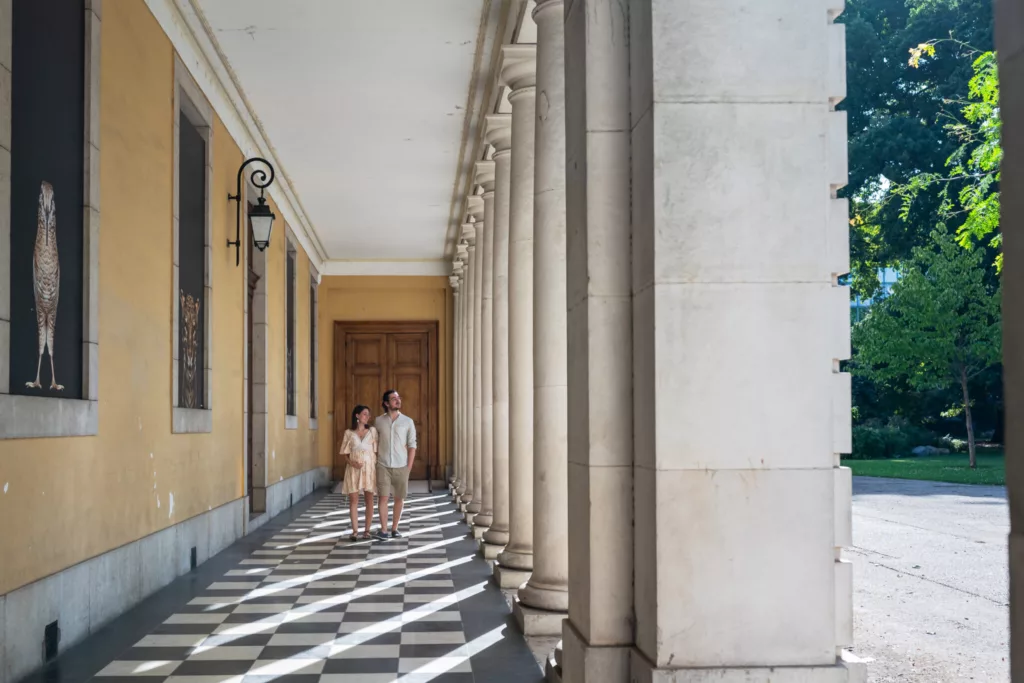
(950, 468)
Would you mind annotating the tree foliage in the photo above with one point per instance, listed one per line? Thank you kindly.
(939, 328)
(895, 114)
(973, 167)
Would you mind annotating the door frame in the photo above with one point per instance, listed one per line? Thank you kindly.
(341, 329)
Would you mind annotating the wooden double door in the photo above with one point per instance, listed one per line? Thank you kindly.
(369, 359)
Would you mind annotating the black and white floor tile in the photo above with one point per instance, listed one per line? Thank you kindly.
(308, 605)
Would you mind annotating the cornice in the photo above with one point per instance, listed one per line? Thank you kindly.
(190, 34)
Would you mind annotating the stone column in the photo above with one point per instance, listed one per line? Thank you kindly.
(454, 281)
(598, 636)
(544, 600)
(460, 415)
(476, 213)
(499, 135)
(485, 177)
(464, 404)
(739, 410)
(518, 71)
(1009, 25)
(466, 497)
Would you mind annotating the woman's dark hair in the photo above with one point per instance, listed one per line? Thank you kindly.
(384, 401)
(355, 419)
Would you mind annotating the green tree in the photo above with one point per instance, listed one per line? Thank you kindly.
(895, 114)
(939, 328)
(969, 188)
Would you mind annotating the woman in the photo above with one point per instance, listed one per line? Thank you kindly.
(360, 445)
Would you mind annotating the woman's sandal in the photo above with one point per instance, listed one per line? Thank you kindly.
(354, 537)
(365, 536)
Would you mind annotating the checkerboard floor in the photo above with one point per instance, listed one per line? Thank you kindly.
(311, 606)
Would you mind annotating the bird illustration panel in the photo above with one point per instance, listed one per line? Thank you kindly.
(192, 264)
(47, 198)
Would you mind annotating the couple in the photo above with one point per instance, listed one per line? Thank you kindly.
(379, 460)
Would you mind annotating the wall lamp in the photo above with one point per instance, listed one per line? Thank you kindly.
(260, 215)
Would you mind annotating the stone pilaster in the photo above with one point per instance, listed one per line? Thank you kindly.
(499, 136)
(547, 590)
(737, 240)
(518, 72)
(454, 281)
(598, 636)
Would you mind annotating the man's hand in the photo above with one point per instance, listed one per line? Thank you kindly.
(412, 457)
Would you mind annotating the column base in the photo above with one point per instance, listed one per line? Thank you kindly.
(460, 490)
(510, 579)
(496, 537)
(516, 560)
(462, 506)
(478, 531)
(847, 669)
(469, 516)
(484, 519)
(542, 598)
(489, 550)
(537, 622)
(474, 506)
(586, 663)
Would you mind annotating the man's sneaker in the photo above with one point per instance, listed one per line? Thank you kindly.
(395, 534)
(380, 535)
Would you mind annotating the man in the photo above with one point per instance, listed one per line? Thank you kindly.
(395, 454)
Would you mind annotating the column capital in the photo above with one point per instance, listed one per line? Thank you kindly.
(498, 132)
(453, 280)
(518, 69)
(475, 207)
(469, 235)
(484, 174)
(546, 8)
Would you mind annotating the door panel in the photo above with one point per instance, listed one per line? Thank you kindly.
(373, 357)
(409, 370)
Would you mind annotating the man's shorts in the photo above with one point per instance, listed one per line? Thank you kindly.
(392, 481)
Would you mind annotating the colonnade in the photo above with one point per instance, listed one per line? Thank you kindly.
(649, 325)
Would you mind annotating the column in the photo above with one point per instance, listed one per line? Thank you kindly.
(498, 133)
(460, 395)
(485, 178)
(1009, 25)
(738, 320)
(476, 211)
(463, 367)
(518, 73)
(453, 281)
(470, 232)
(598, 636)
(547, 590)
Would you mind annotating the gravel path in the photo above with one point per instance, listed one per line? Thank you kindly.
(931, 585)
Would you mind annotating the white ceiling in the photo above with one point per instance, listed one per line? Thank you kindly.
(363, 103)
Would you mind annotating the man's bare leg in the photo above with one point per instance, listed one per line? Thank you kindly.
(382, 510)
(399, 504)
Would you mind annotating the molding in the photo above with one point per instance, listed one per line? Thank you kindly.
(32, 417)
(192, 421)
(367, 267)
(498, 24)
(190, 101)
(25, 416)
(189, 33)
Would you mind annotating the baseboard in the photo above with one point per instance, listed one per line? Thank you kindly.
(85, 597)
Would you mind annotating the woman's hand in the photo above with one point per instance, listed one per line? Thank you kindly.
(355, 463)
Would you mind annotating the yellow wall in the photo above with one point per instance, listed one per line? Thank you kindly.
(359, 298)
(73, 498)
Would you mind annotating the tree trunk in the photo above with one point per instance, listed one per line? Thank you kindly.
(970, 422)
